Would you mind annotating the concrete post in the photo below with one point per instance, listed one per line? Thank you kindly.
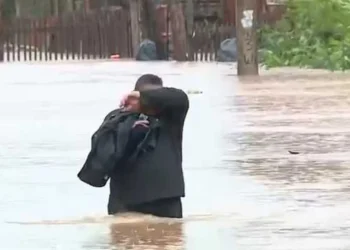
(247, 42)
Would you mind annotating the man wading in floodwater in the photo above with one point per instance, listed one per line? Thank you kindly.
(147, 177)
(154, 182)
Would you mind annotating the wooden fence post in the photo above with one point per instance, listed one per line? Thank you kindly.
(247, 43)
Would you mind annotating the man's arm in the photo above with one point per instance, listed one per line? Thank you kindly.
(170, 103)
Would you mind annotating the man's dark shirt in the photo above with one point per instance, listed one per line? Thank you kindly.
(156, 174)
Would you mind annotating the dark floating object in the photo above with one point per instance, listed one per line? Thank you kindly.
(293, 152)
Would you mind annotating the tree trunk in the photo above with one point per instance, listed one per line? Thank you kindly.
(2, 30)
(247, 44)
(178, 31)
(69, 5)
(222, 10)
(87, 5)
(189, 12)
(56, 7)
(18, 8)
(148, 20)
(150, 28)
(135, 25)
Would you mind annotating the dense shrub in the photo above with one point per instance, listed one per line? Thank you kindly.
(313, 34)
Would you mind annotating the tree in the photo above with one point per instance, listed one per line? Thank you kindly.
(313, 34)
(178, 30)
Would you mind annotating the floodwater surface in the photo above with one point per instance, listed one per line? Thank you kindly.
(266, 159)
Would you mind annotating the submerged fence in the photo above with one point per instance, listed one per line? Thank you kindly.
(96, 35)
(92, 35)
(102, 33)
(206, 39)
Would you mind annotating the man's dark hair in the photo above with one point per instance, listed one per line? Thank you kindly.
(148, 80)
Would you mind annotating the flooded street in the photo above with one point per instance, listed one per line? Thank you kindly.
(245, 190)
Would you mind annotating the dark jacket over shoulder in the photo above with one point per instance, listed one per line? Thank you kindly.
(157, 173)
(107, 149)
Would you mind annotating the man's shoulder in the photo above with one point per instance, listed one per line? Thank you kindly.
(116, 113)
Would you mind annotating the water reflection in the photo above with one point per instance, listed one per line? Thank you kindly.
(143, 235)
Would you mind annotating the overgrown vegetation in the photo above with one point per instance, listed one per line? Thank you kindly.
(313, 34)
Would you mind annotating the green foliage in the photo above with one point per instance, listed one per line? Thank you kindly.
(313, 34)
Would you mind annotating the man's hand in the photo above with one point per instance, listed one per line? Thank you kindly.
(142, 123)
(131, 102)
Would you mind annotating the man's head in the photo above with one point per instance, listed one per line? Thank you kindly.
(148, 81)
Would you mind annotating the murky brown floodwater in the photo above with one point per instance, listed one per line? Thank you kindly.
(244, 190)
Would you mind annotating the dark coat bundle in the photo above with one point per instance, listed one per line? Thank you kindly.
(107, 148)
(113, 146)
(142, 168)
